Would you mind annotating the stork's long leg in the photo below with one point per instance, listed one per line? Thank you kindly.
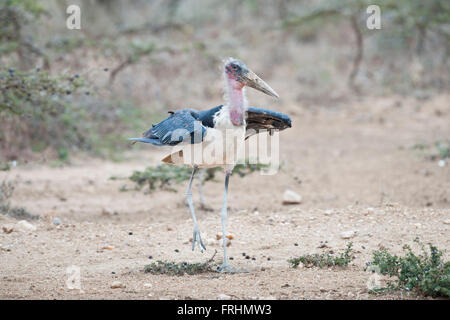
(225, 266)
(196, 236)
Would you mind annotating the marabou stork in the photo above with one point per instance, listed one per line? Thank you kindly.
(189, 128)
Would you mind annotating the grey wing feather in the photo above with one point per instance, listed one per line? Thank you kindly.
(180, 126)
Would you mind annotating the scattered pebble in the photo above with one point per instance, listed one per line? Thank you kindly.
(107, 212)
(57, 221)
(369, 211)
(148, 285)
(224, 296)
(328, 212)
(117, 285)
(219, 236)
(107, 248)
(26, 226)
(447, 221)
(176, 250)
(441, 163)
(348, 234)
(7, 228)
(6, 247)
(290, 197)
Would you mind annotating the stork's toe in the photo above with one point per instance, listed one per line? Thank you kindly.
(196, 238)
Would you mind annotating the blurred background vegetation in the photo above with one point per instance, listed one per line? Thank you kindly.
(64, 92)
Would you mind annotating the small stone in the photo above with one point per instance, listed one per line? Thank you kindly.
(348, 234)
(7, 228)
(26, 226)
(117, 285)
(107, 212)
(290, 197)
(328, 212)
(57, 221)
(148, 285)
(107, 248)
(229, 236)
(223, 296)
(441, 163)
(369, 211)
(6, 247)
(447, 221)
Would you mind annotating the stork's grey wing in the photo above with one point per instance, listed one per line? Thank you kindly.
(180, 126)
(262, 119)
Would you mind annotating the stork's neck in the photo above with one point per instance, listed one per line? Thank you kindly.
(237, 103)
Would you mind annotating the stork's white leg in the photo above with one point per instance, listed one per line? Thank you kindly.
(196, 236)
(225, 267)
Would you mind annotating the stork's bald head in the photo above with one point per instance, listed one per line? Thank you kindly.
(237, 70)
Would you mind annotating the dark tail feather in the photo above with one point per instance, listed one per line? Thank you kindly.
(155, 142)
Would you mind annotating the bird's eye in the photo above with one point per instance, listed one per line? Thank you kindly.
(235, 67)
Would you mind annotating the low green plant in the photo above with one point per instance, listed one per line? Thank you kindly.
(440, 150)
(323, 260)
(425, 273)
(180, 268)
(161, 176)
(6, 191)
(164, 175)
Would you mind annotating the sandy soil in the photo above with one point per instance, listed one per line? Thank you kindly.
(342, 161)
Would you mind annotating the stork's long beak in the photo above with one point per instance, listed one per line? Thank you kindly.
(252, 80)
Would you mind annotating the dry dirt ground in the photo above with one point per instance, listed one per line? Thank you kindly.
(342, 160)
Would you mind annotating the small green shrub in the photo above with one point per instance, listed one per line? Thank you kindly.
(6, 191)
(426, 273)
(164, 175)
(181, 268)
(178, 269)
(325, 259)
(161, 176)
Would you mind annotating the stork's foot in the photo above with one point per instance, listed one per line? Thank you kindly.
(226, 268)
(196, 238)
